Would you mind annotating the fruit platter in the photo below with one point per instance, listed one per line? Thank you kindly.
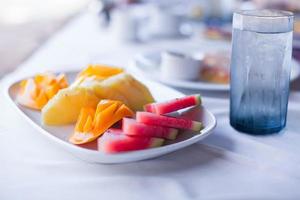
(104, 114)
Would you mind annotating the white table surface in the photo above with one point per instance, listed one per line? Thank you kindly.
(226, 165)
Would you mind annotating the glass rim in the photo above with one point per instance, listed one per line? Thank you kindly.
(251, 13)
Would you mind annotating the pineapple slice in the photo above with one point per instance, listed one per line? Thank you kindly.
(65, 106)
(125, 88)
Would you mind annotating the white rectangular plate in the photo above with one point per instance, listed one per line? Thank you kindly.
(59, 134)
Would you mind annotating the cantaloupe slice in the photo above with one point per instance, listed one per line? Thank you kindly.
(92, 122)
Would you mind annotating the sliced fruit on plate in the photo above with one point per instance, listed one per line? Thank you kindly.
(100, 71)
(92, 122)
(37, 91)
(133, 128)
(65, 106)
(88, 91)
(173, 105)
(114, 141)
(125, 88)
(160, 120)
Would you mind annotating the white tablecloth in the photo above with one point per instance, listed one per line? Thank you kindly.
(226, 165)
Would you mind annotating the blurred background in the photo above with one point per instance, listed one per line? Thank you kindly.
(27, 24)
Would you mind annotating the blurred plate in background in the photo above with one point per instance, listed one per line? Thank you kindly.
(148, 65)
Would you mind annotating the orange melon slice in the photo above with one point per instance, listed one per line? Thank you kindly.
(92, 122)
(37, 91)
(100, 71)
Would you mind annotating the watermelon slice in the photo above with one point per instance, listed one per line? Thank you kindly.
(133, 128)
(160, 120)
(114, 141)
(173, 105)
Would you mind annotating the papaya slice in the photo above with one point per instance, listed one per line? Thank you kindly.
(93, 122)
(100, 71)
(37, 91)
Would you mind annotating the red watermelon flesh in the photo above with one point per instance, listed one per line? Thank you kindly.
(114, 141)
(133, 128)
(160, 120)
(173, 105)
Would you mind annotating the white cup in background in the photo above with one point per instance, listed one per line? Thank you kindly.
(179, 66)
(164, 23)
(124, 26)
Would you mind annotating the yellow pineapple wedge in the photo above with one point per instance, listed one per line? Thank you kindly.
(65, 106)
(125, 88)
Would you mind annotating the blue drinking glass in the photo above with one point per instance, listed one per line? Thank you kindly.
(260, 70)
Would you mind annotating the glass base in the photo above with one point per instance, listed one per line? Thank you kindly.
(257, 131)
